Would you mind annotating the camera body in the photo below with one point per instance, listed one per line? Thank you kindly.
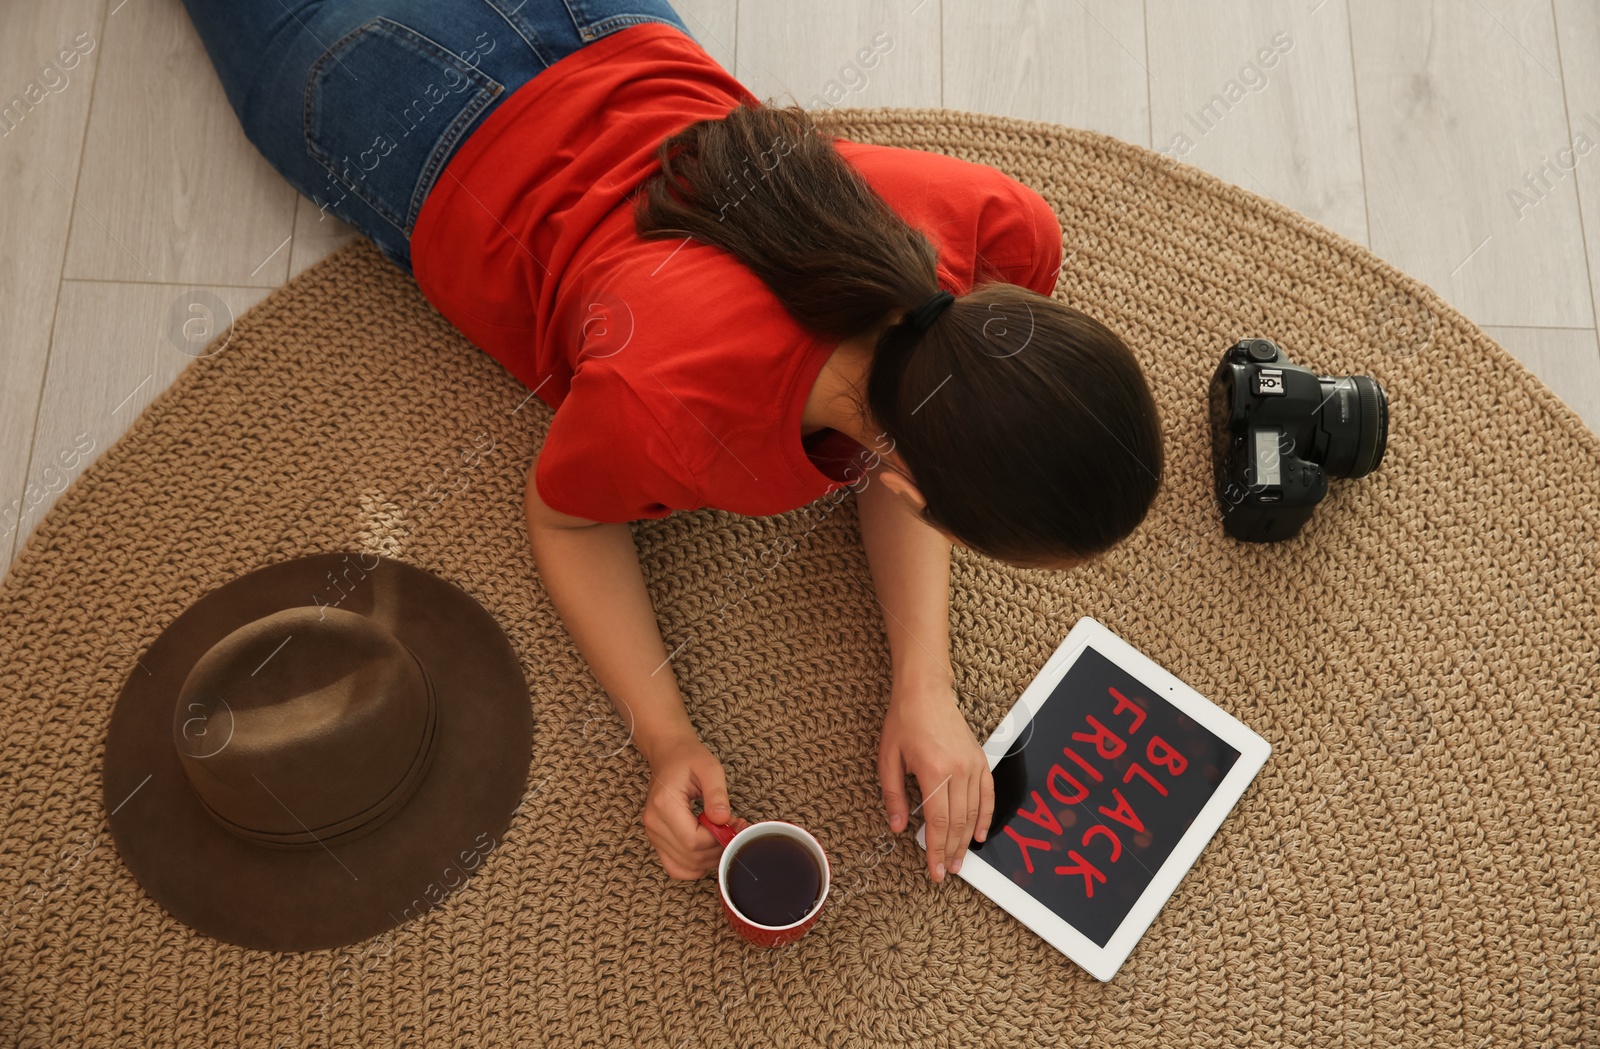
(1279, 431)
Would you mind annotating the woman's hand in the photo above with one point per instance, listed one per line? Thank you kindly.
(925, 735)
(682, 769)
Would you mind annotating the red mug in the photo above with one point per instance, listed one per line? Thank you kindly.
(755, 932)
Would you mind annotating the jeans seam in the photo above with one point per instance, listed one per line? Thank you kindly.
(595, 30)
(535, 44)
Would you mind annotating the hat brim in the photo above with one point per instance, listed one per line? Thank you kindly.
(307, 899)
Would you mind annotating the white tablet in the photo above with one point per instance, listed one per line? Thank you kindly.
(1110, 777)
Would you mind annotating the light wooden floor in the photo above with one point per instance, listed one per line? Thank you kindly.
(136, 218)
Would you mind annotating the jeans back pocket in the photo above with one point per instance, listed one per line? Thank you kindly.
(385, 108)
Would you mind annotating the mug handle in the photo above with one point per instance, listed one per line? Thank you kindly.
(724, 833)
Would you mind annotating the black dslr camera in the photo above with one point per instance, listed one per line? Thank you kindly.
(1278, 431)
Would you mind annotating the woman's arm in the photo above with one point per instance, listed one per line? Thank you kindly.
(924, 733)
(591, 571)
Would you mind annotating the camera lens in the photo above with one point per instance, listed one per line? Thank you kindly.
(1355, 417)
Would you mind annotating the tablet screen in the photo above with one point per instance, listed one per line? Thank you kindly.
(1096, 792)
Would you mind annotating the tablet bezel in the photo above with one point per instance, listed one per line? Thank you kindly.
(1103, 962)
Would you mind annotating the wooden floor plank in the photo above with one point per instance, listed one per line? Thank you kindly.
(116, 347)
(49, 55)
(317, 235)
(841, 53)
(1578, 30)
(1458, 103)
(1262, 94)
(1078, 64)
(714, 24)
(175, 190)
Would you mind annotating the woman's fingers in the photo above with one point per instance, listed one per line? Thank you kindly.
(698, 847)
(686, 849)
(969, 822)
(962, 816)
(952, 772)
(936, 811)
(985, 802)
(699, 859)
(711, 786)
(892, 781)
(675, 833)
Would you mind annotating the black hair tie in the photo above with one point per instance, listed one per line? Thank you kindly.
(923, 316)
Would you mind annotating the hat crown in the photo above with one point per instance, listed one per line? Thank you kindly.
(306, 727)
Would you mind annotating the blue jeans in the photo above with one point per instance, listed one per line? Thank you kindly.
(360, 104)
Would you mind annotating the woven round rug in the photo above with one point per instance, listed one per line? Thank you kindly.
(1416, 864)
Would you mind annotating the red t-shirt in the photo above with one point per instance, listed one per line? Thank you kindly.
(677, 376)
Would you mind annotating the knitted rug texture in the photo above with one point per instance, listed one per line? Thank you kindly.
(1418, 863)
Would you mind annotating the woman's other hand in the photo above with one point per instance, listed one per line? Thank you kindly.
(925, 735)
(681, 770)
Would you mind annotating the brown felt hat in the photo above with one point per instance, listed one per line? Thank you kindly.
(317, 751)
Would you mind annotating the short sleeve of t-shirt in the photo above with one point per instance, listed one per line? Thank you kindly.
(988, 225)
(1022, 244)
(1047, 235)
(606, 457)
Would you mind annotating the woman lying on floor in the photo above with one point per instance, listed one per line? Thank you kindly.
(727, 308)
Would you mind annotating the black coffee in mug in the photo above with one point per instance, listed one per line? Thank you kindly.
(774, 879)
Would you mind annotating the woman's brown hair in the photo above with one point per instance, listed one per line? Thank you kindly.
(1027, 425)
